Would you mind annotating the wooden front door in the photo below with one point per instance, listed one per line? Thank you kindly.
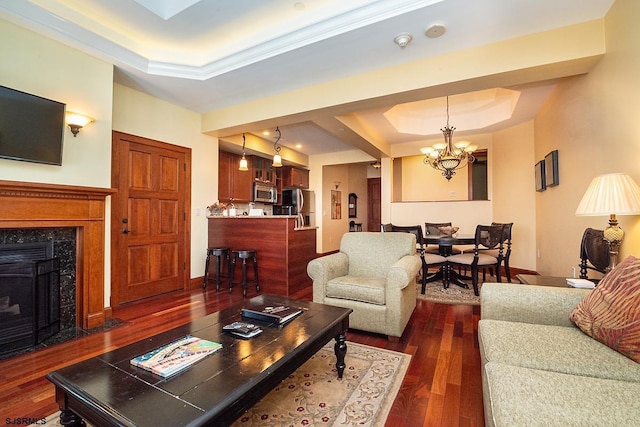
(374, 207)
(149, 221)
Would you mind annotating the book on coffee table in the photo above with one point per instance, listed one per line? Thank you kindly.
(176, 356)
(279, 314)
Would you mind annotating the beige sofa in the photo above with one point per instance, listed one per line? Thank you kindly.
(373, 274)
(539, 369)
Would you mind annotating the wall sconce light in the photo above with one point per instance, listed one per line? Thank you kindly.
(243, 161)
(277, 160)
(337, 184)
(76, 121)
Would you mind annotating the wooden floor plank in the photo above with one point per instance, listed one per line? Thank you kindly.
(442, 386)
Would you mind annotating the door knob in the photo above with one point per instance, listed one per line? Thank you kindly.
(126, 231)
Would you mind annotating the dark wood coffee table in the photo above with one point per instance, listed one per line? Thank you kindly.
(108, 390)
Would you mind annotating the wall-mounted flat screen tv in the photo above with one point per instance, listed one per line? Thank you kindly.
(31, 127)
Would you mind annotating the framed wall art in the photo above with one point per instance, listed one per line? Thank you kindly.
(540, 176)
(336, 204)
(551, 169)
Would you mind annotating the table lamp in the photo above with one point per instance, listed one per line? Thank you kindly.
(611, 194)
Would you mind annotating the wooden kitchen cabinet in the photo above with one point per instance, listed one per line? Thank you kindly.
(261, 170)
(233, 185)
(295, 177)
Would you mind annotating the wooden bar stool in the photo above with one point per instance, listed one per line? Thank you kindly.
(219, 253)
(244, 255)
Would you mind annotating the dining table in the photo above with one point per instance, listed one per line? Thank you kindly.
(445, 244)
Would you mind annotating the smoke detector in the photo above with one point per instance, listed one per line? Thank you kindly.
(403, 39)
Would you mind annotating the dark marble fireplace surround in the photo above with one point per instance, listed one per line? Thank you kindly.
(64, 248)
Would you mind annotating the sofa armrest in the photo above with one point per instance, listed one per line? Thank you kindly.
(545, 305)
(403, 272)
(325, 268)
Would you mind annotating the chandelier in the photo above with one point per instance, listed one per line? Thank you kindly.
(447, 157)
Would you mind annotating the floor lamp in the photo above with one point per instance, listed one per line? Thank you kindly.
(611, 194)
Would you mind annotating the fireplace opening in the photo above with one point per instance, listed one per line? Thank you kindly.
(29, 294)
(29, 302)
(24, 246)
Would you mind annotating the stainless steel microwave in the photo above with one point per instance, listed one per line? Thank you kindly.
(264, 193)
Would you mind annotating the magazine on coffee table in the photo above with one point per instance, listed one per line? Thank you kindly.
(278, 314)
(176, 356)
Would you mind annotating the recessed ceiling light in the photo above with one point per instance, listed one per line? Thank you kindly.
(298, 145)
(435, 31)
(266, 133)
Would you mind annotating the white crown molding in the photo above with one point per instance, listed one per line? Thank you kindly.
(52, 24)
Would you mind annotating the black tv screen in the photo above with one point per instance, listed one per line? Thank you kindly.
(31, 127)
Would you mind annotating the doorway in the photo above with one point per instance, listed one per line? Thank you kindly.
(374, 204)
(149, 222)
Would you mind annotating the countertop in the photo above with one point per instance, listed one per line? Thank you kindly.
(254, 216)
(263, 217)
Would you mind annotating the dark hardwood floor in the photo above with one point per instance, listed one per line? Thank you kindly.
(442, 386)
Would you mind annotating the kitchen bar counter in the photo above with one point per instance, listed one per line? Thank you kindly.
(263, 217)
(283, 250)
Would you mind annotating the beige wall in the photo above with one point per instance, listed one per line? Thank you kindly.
(321, 182)
(513, 190)
(40, 66)
(139, 114)
(333, 229)
(422, 182)
(592, 121)
(85, 84)
(358, 185)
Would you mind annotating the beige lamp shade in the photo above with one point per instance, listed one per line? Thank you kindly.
(614, 193)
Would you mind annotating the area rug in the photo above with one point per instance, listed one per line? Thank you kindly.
(313, 395)
(454, 294)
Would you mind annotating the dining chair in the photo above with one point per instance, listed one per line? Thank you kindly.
(486, 237)
(427, 259)
(594, 252)
(506, 252)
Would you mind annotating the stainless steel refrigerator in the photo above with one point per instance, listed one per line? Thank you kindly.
(304, 205)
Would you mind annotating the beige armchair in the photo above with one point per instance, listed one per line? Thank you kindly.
(373, 274)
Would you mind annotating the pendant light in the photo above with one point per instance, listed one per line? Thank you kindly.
(277, 160)
(243, 161)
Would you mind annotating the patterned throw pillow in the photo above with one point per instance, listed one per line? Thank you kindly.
(611, 312)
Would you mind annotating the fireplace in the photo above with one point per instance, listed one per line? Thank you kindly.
(29, 296)
(81, 211)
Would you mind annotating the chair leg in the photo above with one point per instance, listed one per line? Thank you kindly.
(244, 277)
(474, 280)
(218, 272)
(507, 272)
(233, 273)
(498, 273)
(230, 268)
(255, 272)
(206, 270)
